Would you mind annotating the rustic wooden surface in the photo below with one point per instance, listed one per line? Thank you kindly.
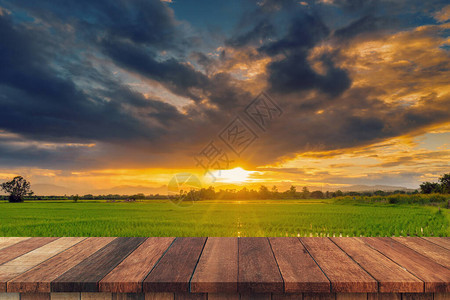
(223, 268)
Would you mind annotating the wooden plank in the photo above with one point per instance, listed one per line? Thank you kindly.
(16, 250)
(9, 241)
(417, 296)
(287, 296)
(85, 276)
(319, 296)
(38, 279)
(217, 269)
(441, 241)
(298, 269)
(441, 296)
(9, 296)
(345, 275)
(435, 276)
(430, 250)
(223, 296)
(384, 296)
(256, 296)
(174, 270)
(128, 296)
(37, 296)
(351, 296)
(390, 276)
(96, 296)
(189, 296)
(159, 296)
(127, 277)
(258, 270)
(15, 267)
(65, 296)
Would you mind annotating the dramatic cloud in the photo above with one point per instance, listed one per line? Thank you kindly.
(88, 85)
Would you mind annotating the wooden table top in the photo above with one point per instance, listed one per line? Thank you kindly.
(225, 265)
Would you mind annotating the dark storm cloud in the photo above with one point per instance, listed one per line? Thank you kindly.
(50, 89)
(37, 102)
(293, 73)
(141, 21)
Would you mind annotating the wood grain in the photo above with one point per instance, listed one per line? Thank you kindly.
(85, 276)
(159, 296)
(416, 296)
(298, 296)
(16, 250)
(217, 269)
(298, 269)
(127, 277)
(390, 276)
(441, 241)
(427, 248)
(384, 296)
(65, 296)
(37, 296)
(9, 241)
(189, 296)
(319, 296)
(174, 270)
(39, 278)
(345, 275)
(128, 296)
(256, 296)
(258, 269)
(435, 276)
(351, 296)
(223, 296)
(15, 267)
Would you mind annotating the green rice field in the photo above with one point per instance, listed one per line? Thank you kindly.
(221, 218)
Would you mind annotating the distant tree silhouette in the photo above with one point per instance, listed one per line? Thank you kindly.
(17, 189)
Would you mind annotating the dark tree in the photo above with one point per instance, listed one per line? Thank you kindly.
(17, 189)
(430, 187)
(445, 183)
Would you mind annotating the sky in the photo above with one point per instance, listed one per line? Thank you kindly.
(95, 95)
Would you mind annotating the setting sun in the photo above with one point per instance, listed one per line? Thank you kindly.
(236, 175)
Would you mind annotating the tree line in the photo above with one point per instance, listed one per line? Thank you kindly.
(19, 189)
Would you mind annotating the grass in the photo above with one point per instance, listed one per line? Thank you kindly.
(222, 218)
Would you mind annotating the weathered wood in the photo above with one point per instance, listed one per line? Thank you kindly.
(174, 270)
(128, 296)
(258, 269)
(298, 269)
(441, 241)
(16, 250)
(441, 296)
(223, 296)
(390, 276)
(384, 296)
(39, 278)
(292, 296)
(127, 277)
(345, 275)
(256, 296)
(427, 248)
(85, 276)
(351, 296)
(15, 267)
(417, 296)
(9, 241)
(9, 296)
(159, 296)
(65, 296)
(36, 296)
(96, 296)
(435, 276)
(217, 269)
(189, 296)
(319, 296)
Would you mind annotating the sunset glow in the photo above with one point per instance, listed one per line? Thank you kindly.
(105, 98)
